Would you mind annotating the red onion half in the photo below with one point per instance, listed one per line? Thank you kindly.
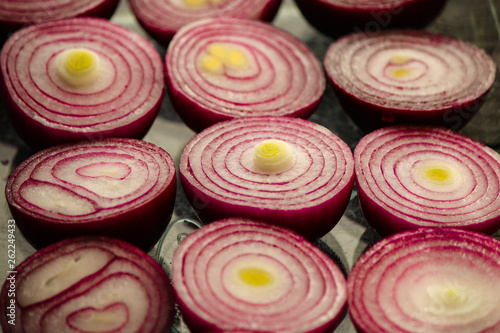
(238, 275)
(340, 17)
(412, 177)
(120, 188)
(17, 14)
(80, 79)
(285, 171)
(88, 285)
(163, 18)
(429, 280)
(410, 77)
(220, 69)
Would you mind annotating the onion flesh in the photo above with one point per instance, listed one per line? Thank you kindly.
(241, 275)
(222, 68)
(221, 177)
(409, 76)
(163, 18)
(412, 177)
(120, 188)
(89, 285)
(50, 101)
(339, 17)
(428, 280)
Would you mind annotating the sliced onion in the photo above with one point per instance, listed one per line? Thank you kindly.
(409, 77)
(273, 74)
(340, 17)
(240, 275)
(412, 177)
(88, 285)
(17, 14)
(45, 109)
(163, 18)
(429, 280)
(221, 178)
(121, 188)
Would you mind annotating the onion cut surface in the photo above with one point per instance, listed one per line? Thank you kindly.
(89, 285)
(412, 177)
(17, 14)
(120, 188)
(220, 69)
(222, 176)
(409, 77)
(163, 18)
(340, 17)
(122, 99)
(239, 275)
(429, 280)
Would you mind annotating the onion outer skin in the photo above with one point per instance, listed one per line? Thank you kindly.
(38, 126)
(312, 221)
(198, 320)
(141, 224)
(376, 113)
(103, 9)
(388, 220)
(164, 34)
(337, 19)
(202, 114)
(406, 246)
(163, 288)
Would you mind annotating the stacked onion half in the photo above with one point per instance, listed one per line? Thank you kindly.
(413, 177)
(429, 280)
(17, 14)
(120, 188)
(220, 69)
(163, 18)
(410, 77)
(80, 79)
(285, 171)
(339, 17)
(238, 275)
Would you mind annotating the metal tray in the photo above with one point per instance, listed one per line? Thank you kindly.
(477, 22)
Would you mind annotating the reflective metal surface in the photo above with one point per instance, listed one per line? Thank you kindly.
(475, 21)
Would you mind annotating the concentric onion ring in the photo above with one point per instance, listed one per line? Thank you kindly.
(409, 77)
(162, 19)
(88, 285)
(271, 74)
(340, 17)
(241, 275)
(121, 188)
(411, 177)
(221, 178)
(429, 280)
(122, 101)
(16, 14)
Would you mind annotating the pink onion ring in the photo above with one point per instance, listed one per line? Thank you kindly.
(122, 101)
(241, 275)
(428, 280)
(88, 285)
(412, 177)
(340, 17)
(163, 18)
(17, 14)
(271, 73)
(220, 177)
(411, 77)
(120, 188)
